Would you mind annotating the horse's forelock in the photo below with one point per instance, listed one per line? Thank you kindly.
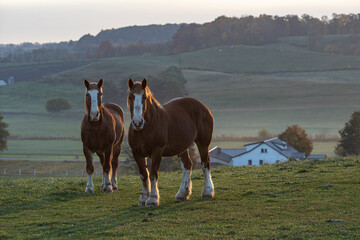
(138, 89)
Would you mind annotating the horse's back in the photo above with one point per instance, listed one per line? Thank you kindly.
(115, 109)
(196, 109)
(187, 113)
(118, 115)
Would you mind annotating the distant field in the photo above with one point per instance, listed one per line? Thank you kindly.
(247, 88)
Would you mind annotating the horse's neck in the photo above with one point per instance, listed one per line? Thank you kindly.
(155, 111)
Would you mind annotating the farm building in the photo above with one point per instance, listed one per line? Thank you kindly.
(3, 83)
(258, 153)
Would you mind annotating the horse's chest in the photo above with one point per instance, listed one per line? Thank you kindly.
(146, 149)
(97, 142)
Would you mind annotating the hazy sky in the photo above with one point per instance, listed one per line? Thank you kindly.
(64, 20)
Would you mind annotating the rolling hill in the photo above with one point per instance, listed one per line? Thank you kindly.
(247, 88)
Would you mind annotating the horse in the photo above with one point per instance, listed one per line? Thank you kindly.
(168, 130)
(102, 132)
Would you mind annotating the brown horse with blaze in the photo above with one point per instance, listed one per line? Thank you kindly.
(166, 130)
(102, 132)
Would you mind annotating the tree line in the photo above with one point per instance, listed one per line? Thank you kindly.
(247, 30)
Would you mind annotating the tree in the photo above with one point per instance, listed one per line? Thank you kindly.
(264, 134)
(4, 133)
(296, 137)
(57, 104)
(349, 143)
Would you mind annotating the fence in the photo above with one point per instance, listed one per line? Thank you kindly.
(39, 166)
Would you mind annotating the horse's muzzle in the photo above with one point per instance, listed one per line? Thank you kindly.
(138, 125)
(94, 117)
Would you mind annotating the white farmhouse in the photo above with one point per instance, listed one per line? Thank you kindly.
(3, 83)
(259, 153)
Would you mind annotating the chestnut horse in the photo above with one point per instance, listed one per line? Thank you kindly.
(167, 130)
(102, 132)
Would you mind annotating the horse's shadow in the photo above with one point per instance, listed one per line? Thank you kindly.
(48, 200)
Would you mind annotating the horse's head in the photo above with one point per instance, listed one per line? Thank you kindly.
(137, 102)
(93, 99)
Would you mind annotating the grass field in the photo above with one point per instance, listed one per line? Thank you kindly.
(247, 88)
(293, 200)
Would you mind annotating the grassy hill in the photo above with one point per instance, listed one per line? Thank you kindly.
(247, 88)
(293, 200)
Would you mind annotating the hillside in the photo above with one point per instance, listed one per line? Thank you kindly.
(292, 200)
(247, 88)
(133, 34)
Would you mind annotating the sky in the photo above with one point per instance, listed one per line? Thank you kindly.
(63, 20)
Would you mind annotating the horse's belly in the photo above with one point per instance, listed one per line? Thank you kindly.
(175, 148)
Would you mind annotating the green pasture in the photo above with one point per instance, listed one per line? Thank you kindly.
(292, 200)
(69, 149)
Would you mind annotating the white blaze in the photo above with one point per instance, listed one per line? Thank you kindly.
(94, 101)
(138, 107)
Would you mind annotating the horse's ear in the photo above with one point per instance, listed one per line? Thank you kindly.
(144, 83)
(100, 83)
(130, 83)
(86, 83)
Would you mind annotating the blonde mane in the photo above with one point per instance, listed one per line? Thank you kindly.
(137, 88)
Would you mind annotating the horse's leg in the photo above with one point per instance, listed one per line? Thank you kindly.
(89, 170)
(208, 190)
(102, 160)
(154, 198)
(144, 175)
(186, 185)
(108, 154)
(114, 166)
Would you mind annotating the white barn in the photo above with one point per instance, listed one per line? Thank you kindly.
(259, 153)
(3, 83)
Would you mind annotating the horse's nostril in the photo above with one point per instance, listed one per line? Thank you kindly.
(139, 124)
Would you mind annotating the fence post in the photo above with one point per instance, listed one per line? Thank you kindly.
(4, 171)
(34, 172)
(66, 172)
(19, 171)
(50, 173)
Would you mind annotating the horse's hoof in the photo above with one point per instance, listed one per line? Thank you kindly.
(142, 200)
(152, 202)
(208, 195)
(89, 190)
(180, 199)
(114, 187)
(107, 189)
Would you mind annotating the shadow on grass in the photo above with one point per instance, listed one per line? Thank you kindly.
(51, 199)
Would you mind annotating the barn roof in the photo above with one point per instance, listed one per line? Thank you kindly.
(225, 154)
(275, 143)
